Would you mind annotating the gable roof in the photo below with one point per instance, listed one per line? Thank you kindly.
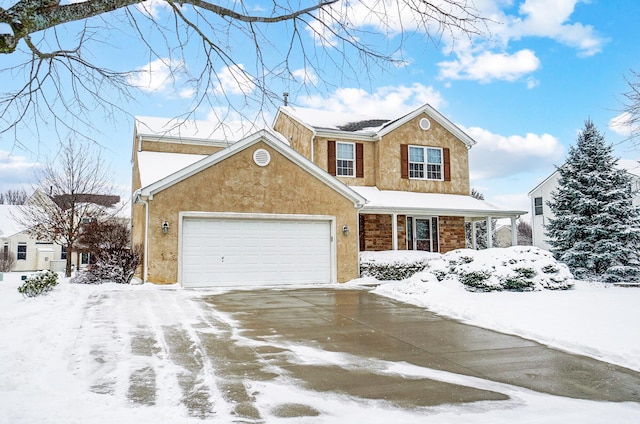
(8, 224)
(631, 166)
(190, 130)
(273, 140)
(361, 125)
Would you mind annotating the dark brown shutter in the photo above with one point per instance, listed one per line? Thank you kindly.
(359, 160)
(447, 164)
(331, 157)
(404, 161)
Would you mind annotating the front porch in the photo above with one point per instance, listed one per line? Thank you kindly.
(395, 220)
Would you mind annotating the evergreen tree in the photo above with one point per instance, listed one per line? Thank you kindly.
(596, 229)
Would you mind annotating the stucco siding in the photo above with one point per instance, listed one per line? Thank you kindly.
(180, 147)
(238, 185)
(389, 164)
(299, 136)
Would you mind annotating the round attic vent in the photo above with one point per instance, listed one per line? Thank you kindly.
(425, 124)
(261, 157)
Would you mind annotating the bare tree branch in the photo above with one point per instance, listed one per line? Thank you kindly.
(62, 85)
(67, 191)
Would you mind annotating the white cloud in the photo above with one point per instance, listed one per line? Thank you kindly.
(393, 100)
(15, 171)
(550, 19)
(306, 76)
(156, 75)
(234, 80)
(187, 93)
(152, 8)
(488, 66)
(496, 156)
(623, 125)
(490, 59)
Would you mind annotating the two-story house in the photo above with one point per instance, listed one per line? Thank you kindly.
(541, 194)
(297, 203)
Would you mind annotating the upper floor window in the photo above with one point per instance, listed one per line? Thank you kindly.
(345, 159)
(22, 251)
(63, 252)
(425, 163)
(537, 205)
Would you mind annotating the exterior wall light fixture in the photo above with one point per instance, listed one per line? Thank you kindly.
(345, 230)
(165, 227)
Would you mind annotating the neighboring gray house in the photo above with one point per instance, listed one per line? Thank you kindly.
(541, 194)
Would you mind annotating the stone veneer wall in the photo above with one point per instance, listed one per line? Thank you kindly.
(452, 234)
(377, 233)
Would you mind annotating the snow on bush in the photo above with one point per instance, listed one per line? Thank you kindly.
(394, 264)
(41, 283)
(519, 268)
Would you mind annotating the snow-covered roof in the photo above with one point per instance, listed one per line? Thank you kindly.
(369, 126)
(270, 138)
(193, 130)
(429, 204)
(155, 166)
(8, 225)
(337, 121)
(632, 166)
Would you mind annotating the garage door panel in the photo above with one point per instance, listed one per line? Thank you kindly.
(255, 251)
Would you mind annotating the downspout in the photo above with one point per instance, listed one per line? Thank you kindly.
(145, 265)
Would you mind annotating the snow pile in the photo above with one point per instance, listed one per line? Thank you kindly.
(518, 268)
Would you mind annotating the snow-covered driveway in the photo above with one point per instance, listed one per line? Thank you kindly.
(148, 354)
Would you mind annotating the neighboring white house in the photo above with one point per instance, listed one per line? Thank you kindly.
(541, 194)
(30, 254)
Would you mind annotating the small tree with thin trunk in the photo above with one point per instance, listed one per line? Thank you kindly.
(13, 197)
(68, 192)
(525, 233)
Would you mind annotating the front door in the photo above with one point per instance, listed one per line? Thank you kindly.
(424, 233)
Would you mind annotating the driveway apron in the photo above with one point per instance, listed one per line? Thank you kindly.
(362, 324)
(220, 354)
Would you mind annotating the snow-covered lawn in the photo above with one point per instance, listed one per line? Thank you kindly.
(47, 364)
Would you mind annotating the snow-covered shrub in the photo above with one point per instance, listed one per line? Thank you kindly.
(41, 283)
(394, 265)
(115, 265)
(518, 268)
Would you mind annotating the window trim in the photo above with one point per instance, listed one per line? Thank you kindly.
(538, 209)
(18, 253)
(425, 163)
(353, 161)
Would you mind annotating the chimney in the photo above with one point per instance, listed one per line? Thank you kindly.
(286, 98)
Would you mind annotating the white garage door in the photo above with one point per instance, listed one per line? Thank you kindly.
(223, 252)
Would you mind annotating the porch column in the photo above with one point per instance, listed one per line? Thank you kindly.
(489, 234)
(514, 231)
(474, 244)
(394, 230)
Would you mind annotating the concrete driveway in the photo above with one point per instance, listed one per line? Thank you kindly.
(224, 349)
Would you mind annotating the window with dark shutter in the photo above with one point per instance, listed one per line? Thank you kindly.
(404, 161)
(331, 157)
(359, 160)
(447, 164)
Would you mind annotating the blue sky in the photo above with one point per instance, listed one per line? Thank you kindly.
(523, 93)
